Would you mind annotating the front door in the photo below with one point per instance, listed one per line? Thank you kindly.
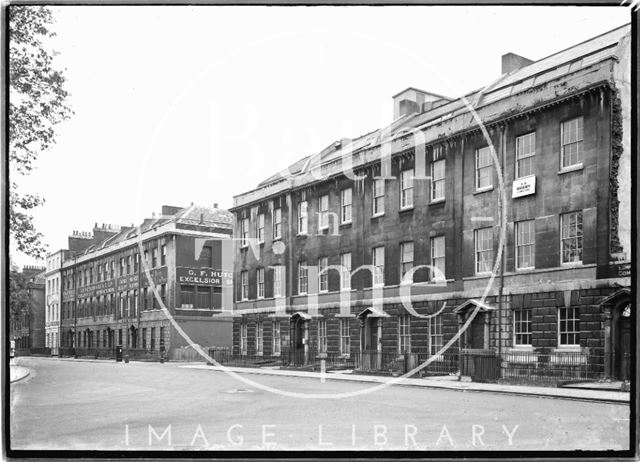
(298, 342)
(623, 346)
(369, 344)
(474, 335)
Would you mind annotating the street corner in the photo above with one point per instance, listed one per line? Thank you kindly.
(17, 373)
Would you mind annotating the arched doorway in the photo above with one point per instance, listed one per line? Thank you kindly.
(371, 338)
(134, 337)
(476, 336)
(299, 347)
(617, 309)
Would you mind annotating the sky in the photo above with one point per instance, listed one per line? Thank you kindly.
(195, 104)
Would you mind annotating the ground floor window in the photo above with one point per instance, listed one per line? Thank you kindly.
(276, 337)
(404, 333)
(345, 337)
(259, 337)
(522, 327)
(243, 339)
(152, 340)
(144, 338)
(568, 326)
(322, 335)
(435, 334)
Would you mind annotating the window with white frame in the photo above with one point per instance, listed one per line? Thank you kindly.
(404, 333)
(406, 259)
(302, 217)
(260, 227)
(323, 275)
(484, 249)
(259, 337)
(571, 142)
(277, 223)
(378, 197)
(345, 205)
(525, 244)
(568, 326)
(345, 271)
(435, 334)
(345, 337)
(525, 154)
(276, 338)
(244, 285)
(571, 237)
(437, 179)
(522, 327)
(378, 264)
(484, 168)
(243, 339)
(277, 281)
(322, 335)
(437, 258)
(406, 189)
(244, 232)
(303, 278)
(323, 208)
(260, 282)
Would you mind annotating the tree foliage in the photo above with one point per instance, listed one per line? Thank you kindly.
(19, 298)
(37, 103)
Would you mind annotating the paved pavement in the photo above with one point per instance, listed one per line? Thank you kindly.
(448, 382)
(108, 405)
(17, 373)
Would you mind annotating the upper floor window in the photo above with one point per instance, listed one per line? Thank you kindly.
(302, 217)
(571, 144)
(525, 154)
(345, 205)
(277, 281)
(571, 237)
(484, 249)
(378, 264)
(525, 244)
(277, 223)
(323, 207)
(406, 189)
(404, 333)
(378, 197)
(406, 259)
(260, 282)
(303, 278)
(244, 285)
(323, 275)
(345, 271)
(244, 232)
(163, 254)
(122, 266)
(154, 257)
(437, 180)
(136, 262)
(260, 228)
(568, 326)
(437, 258)
(484, 166)
(128, 264)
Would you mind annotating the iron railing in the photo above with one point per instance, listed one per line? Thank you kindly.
(553, 367)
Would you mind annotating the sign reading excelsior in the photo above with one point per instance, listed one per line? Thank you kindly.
(204, 277)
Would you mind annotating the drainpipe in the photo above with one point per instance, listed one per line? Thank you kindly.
(502, 256)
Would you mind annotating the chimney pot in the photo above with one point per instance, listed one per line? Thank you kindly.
(215, 205)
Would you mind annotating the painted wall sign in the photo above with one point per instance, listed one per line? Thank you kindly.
(128, 282)
(524, 186)
(158, 276)
(204, 276)
(95, 290)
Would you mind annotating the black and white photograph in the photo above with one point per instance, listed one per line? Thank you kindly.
(319, 230)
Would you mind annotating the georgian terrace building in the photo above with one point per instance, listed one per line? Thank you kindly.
(53, 288)
(427, 203)
(107, 299)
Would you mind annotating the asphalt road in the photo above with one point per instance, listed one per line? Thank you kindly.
(116, 406)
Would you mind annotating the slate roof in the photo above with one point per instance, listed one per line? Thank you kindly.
(552, 67)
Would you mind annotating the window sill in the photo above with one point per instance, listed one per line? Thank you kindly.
(483, 190)
(346, 224)
(568, 349)
(525, 269)
(571, 264)
(522, 348)
(279, 238)
(437, 201)
(571, 168)
(377, 215)
(406, 209)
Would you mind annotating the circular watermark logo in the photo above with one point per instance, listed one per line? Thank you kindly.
(386, 137)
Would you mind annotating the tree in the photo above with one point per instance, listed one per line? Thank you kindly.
(37, 103)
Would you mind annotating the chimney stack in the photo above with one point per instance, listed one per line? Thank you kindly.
(512, 62)
(215, 205)
(412, 100)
